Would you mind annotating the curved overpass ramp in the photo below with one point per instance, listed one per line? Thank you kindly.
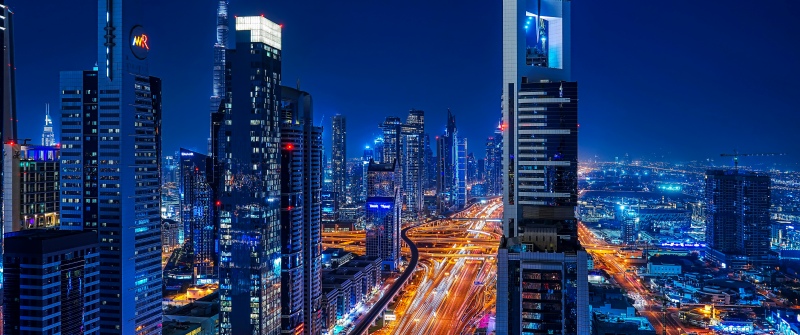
(362, 328)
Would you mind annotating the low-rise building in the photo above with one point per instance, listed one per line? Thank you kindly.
(605, 325)
(198, 318)
(785, 321)
(334, 257)
(663, 269)
(343, 288)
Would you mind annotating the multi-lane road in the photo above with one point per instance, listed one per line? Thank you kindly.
(454, 287)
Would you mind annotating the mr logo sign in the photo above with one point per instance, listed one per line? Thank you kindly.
(140, 44)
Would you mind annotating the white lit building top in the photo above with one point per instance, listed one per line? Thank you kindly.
(261, 30)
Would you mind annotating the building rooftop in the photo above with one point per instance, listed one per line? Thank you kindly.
(45, 241)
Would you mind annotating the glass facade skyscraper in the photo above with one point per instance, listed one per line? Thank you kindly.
(542, 285)
(494, 163)
(220, 47)
(382, 219)
(110, 168)
(197, 195)
(446, 164)
(413, 161)
(339, 157)
(248, 145)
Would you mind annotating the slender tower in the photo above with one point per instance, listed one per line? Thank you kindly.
(219, 55)
(9, 123)
(48, 137)
(542, 283)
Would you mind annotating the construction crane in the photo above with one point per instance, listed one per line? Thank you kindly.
(736, 156)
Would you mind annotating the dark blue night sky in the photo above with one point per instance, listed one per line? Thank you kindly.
(677, 79)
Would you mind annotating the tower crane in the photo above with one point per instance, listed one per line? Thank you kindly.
(736, 156)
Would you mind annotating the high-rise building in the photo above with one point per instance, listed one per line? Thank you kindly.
(446, 161)
(368, 156)
(461, 177)
(110, 168)
(9, 83)
(31, 187)
(355, 175)
(48, 136)
(472, 168)
(301, 227)
(330, 207)
(220, 47)
(382, 214)
(292, 261)
(391, 140)
(377, 149)
(628, 222)
(494, 163)
(413, 162)
(8, 123)
(542, 283)
(430, 166)
(52, 282)
(480, 173)
(197, 196)
(339, 157)
(249, 185)
(737, 218)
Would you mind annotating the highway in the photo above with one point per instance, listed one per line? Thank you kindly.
(454, 287)
(362, 327)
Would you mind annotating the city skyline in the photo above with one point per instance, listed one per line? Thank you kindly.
(155, 206)
(633, 108)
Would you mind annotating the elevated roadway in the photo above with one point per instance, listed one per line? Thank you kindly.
(362, 327)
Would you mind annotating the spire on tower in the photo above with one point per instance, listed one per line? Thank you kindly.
(48, 137)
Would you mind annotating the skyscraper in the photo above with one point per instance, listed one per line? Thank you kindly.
(472, 168)
(382, 211)
(446, 161)
(737, 218)
(339, 157)
(218, 88)
(377, 149)
(430, 166)
(9, 83)
(67, 270)
(249, 155)
(197, 196)
(110, 163)
(413, 161)
(292, 261)
(48, 137)
(542, 283)
(391, 139)
(301, 227)
(368, 156)
(460, 186)
(494, 163)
